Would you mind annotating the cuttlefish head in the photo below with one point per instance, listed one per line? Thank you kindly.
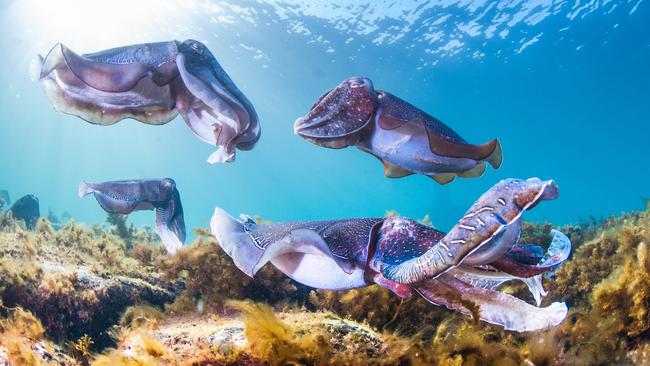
(212, 105)
(338, 116)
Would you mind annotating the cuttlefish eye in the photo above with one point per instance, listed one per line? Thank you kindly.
(167, 187)
(359, 82)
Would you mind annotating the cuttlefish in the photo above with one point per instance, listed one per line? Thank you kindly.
(161, 195)
(464, 266)
(152, 83)
(404, 138)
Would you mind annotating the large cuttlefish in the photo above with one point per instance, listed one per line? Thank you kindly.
(152, 83)
(126, 196)
(405, 139)
(463, 266)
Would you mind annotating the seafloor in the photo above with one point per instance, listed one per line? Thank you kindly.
(108, 295)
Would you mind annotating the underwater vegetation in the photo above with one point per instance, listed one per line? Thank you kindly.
(27, 209)
(78, 296)
(77, 280)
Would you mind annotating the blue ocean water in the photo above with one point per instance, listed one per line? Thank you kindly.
(564, 85)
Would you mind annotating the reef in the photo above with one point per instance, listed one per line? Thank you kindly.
(76, 280)
(110, 295)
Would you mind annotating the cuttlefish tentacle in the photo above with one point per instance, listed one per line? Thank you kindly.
(161, 195)
(493, 306)
(152, 83)
(488, 217)
(404, 138)
(506, 268)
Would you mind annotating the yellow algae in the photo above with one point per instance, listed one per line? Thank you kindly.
(211, 278)
(606, 283)
(141, 316)
(22, 341)
(272, 340)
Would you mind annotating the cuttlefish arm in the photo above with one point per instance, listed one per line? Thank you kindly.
(321, 254)
(489, 217)
(108, 86)
(161, 195)
(506, 268)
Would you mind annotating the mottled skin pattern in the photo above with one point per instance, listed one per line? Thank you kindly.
(404, 138)
(402, 239)
(499, 207)
(338, 116)
(152, 83)
(347, 239)
(406, 257)
(126, 196)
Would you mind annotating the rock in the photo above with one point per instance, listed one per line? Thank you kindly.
(201, 339)
(42, 353)
(26, 208)
(4, 198)
(73, 302)
(76, 281)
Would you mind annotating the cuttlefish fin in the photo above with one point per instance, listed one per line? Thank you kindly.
(443, 178)
(445, 146)
(496, 157)
(475, 172)
(250, 256)
(393, 171)
(85, 188)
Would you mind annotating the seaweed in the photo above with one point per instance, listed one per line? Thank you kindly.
(97, 287)
(211, 278)
(77, 280)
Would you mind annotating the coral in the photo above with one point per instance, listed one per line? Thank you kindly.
(263, 336)
(608, 281)
(272, 340)
(141, 316)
